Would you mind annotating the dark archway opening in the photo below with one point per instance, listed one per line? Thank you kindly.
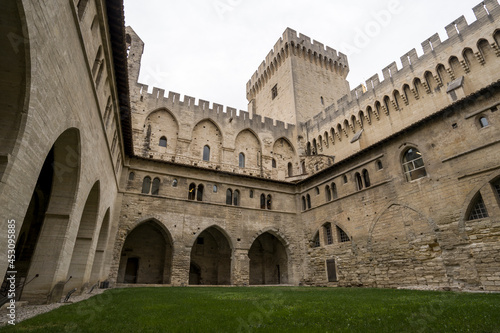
(146, 256)
(210, 259)
(268, 261)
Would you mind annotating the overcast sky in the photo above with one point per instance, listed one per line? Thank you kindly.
(209, 49)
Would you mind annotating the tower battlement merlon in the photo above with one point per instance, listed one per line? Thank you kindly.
(458, 31)
(292, 43)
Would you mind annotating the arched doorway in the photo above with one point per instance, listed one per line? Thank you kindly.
(146, 256)
(41, 242)
(268, 261)
(15, 77)
(210, 259)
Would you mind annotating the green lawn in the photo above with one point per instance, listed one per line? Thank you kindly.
(272, 309)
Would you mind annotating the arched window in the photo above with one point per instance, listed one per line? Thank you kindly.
(316, 190)
(380, 166)
(334, 191)
(308, 149)
(236, 198)
(327, 231)
(163, 141)
(328, 194)
(199, 195)
(342, 236)
(192, 191)
(496, 186)
(251, 193)
(241, 160)
(229, 197)
(290, 169)
(269, 201)
(478, 210)
(274, 163)
(413, 164)
(359, 182)
(206, 153)
(345, 179)
(315, 147)
(304, 207)
(366, 178)
(316, 242)
(146, 185)
(303, 167)
(483, 122)
(215, 188)
(174, 183)
(308, 198)
(156, 186)
(131, 176)
(262, 201)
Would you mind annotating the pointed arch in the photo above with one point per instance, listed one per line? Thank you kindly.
(146, 262)
(248, 144)
(211, 251)
(206, 133)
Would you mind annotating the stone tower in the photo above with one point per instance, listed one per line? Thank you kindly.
(298, 80)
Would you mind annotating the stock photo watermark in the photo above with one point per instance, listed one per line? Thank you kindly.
(11, 272)
(380, 19)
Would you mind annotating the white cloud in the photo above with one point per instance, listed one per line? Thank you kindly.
(210, 49)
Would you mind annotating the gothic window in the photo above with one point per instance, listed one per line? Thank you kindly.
(163, 142)
(274, 163)
(229, 196)
(316, 242)
(174, 183)
(156, 186)
(241, 161)
(131, 176)
(342, 236)
(303, 167)
(334, 191)
(327, 230)
(206, 153)
(483, 122)
(328, 194)
(308, 198)
(236, 198)
(304, 207)
(269, 201)
(192, 191)
(290, 169)
(413, 164)
(366, 178)
(316, 190)
(146, 185)
(274, 91)
(262, 201)
(359, 182)
(199, 195)
(478, 209)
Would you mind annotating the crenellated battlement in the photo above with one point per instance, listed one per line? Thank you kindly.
(436, 52)
(296, 43)
(206, 109)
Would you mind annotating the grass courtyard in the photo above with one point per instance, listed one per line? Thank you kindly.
(271, 309)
